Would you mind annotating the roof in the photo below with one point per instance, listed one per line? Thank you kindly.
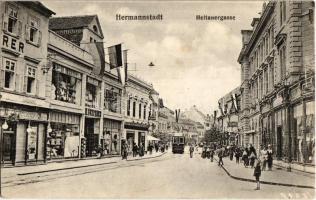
(72, 22)
(39, 7)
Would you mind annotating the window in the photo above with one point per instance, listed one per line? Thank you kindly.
(10, 66)
(34, 34)
(271, 79)
(95, 28)
(91, 96)
(112, 101)
(128, 107)
(282, 12)
(91, 39)
(134, 109)
(144, 111)
(11, 21)
(66, 84)
(140, 111)
(282, 54)
(30, 80)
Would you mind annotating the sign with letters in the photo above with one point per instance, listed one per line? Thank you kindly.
(13, 44)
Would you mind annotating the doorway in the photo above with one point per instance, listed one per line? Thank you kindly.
(8, 150)
(92, 139)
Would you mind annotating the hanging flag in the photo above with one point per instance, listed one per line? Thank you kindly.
(125, 64)
(115, 56)
(235, 101)
(100, 49)
(97, 51)
(215, 115)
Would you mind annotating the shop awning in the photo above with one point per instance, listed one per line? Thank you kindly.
(151, 138)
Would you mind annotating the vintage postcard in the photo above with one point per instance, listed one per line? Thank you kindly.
(157, 99)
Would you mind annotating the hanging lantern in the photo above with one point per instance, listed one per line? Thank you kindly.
(5, 126)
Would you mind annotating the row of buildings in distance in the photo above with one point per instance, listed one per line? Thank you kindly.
(275, 103)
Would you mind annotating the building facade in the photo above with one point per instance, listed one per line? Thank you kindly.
(277, 73)
(137, 104)
(24, 110)
(228, 118)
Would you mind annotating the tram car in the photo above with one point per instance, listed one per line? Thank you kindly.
(178, 143)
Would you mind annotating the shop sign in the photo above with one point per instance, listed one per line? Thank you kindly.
(12, 44)
(32, 115)
(25, 114)
(93, 113)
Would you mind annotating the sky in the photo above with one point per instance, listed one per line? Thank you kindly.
(195, 61)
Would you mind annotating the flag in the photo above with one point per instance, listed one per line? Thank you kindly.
(220, 108)
(97, 51)
(125, 64)
(115, 56)
(235, 101)
(100, 49)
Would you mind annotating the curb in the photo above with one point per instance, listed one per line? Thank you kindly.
(67, 168)
(148, 157)
(265, 182)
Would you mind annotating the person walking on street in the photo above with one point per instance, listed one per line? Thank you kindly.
(257, 174)
(124, 150)
(245, 157)
(264, 158)
(208, 152)
(231, 153)
(191, 151)
(220, 156)
(237, 155)
(212, 154)
(141, 150)
(252, 156)
(135, 148)
(269, 157)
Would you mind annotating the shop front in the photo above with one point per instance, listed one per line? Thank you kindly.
(136, 132)
(63, 136)
(23, 135)
(92, 131)
(111, 136)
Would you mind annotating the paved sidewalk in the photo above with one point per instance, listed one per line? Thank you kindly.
(277, 176)
(55, 166)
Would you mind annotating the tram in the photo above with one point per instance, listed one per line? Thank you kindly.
(178, 143)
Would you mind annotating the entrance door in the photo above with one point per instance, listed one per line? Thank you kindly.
(8, 146)
(279, 141)
(92, 139)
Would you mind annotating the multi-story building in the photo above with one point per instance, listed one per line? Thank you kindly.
(24, 110)
(228, 117)
(137, 103)
(277, 74)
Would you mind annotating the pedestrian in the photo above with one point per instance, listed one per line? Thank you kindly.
(212, 154)
(269, 157)
(220, 156)
(252, 156)
(141, 150)
(191, 151)
(208, 152)
(237, 155)
(257, 174)
(156, 147)
(99, 152)
(124, 150)
(245, 157)
(231, 153)
(135, 149)
(264, 158)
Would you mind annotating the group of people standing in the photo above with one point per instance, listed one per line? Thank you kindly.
(140, 149)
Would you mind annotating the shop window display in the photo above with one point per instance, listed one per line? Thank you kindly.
(63, 141)
(112, 100)
(66, 85)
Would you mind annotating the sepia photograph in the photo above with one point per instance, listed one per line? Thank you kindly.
(157, 99)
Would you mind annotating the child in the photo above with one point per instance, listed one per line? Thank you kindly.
(257, 174)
